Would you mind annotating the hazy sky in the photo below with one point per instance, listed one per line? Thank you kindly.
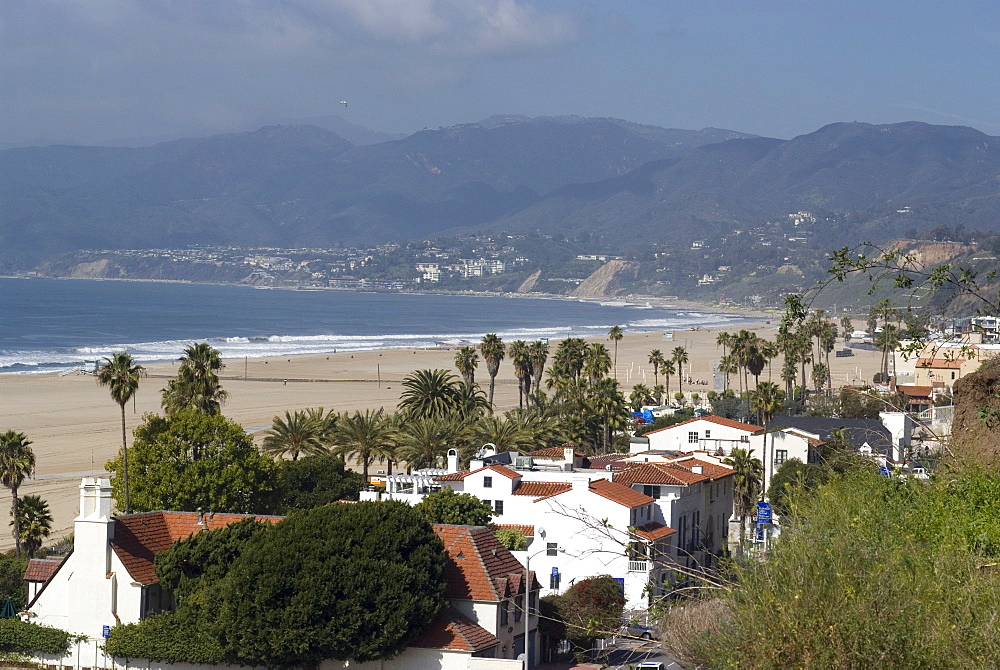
(98, 69)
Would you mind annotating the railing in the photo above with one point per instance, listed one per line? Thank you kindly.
(638, 566)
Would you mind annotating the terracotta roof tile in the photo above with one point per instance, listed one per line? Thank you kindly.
(140, 537)
(459, 476)
(478, 566)
(945, 363)
(529, 531)
(602, 462)
(659, 474)
(553, 453)
(453, 630)
(619, 493)
(453, 476)
(915, 391)
(541, 489)
(710, 470)
(654, 531)
(42, 569)
(720, 420)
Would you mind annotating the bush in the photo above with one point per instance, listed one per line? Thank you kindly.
(314, 481)
(18, 636)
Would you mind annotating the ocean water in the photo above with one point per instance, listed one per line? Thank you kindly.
(52, 325)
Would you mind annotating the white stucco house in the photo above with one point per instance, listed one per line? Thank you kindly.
(710, 433)
(108, 579)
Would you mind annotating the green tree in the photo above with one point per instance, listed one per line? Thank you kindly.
(425, 441)
(520, 356)
(356, 582)
(300, 432)
(493, 351)
(429, 393)
(34, 522)
(512, 538)
(193, 460)
(448, 507)
(538, 354)
(616, 335)
(656, 359)
(121, 375)
(196, 385)
(466, 361)
(16, 462)
(680, 357)
(12, 580)
(791, 481)
(747, 483)
(591, 608)
(596, 362)
(313, 481)
(364, 437)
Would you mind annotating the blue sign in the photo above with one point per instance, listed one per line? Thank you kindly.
(763, 512)
(884, 471)
(106, 631)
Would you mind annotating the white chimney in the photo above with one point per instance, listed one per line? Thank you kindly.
(697, 469)
(93, 529)
(569, 453)
(452, 460)
(95, 499)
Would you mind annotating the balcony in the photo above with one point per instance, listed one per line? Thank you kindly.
(638, 566)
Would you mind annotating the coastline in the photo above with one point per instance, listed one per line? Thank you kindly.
(75, 426)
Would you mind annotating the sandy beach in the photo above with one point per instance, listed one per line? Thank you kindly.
(75, 426)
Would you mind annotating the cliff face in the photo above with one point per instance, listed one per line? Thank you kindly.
(974, 442)
(607, 280)
(529, 284)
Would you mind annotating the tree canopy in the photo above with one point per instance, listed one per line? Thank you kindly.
(448, 507)
(314, 481)
(192, 460)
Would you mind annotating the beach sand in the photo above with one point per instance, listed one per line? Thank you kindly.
(75, 427)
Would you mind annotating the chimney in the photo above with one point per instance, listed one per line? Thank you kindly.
(95, 499)
(452, 460)
(697, 469)
(569, 453)
(581, 483)
(95, 526)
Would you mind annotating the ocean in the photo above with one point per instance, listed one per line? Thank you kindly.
(49, 325)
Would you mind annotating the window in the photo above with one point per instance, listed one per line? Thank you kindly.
(651, 491)
(487, 482)
(498, 507)
(551, 548)
(693, 437)
(518, 608)
(708, 434)
(952, 374)
(504, 614)
(744, 438)
(780, 456)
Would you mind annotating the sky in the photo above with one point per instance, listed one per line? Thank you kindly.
(91, 71)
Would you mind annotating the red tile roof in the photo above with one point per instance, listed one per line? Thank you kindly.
(478, 566)
(42, 569)
(912, 391)
(541, 489)
(139, 537)
(654, 531)
(459, 476)
(619, 493)
(602, 462)
(453, 630)
(710, 470)
(553, 453)
(719, 420)
(944, 363)
(658, 473)
(529, 531)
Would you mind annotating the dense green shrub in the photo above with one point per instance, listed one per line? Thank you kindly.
(871, 572)
(448, 507)
(174, 637)
(22, 637)
(312, 481)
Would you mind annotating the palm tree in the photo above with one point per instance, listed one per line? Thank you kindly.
(616, 335)
(520, 356)
(425, 441)
(121, 375)
(510, 433)
(34, 521)
(363, 436)
(608, 403)
(597, 362)
(492, 350)
(766, 399)
(466, 360)
(429, 393)
(668, 368)
(197, 382)
(656, 360)
(639, 397)
(680, 357)
(747, 485)
(300, 432)
(538, 353)
(16, 462)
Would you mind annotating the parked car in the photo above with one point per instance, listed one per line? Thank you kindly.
(640, 631)
(649, 665)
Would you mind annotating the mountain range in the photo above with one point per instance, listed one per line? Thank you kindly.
(302, 185)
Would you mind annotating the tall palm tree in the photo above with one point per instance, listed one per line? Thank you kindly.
(429, 393)
(597, 362)
(538, 352)
(608, 403)
(509, 433)
(197, 382)
(16, 461)
(747, 485)
(639, 397)
(766, 399)
(425, 441)
(298, 433)
(680, 357)
(34, 521)
(363, 436)
(616, 335)
(466, 361)
(493, 351)
(656, 360)
(121, 374)
(520, 356)
(668, 368)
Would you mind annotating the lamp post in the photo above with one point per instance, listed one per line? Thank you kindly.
(539, 532)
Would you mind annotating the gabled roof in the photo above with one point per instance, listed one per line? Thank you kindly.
(602, 462)
(710, 470)
(140, 537)
(913, 391)
(654, 531)
(453, 630)
(619, 493)
(553, 453)
(42, 569)
(478, 567)
(857, 431)
(541, 489)
(711, 418)
(941, 363)
(459, 476)
(660, 474)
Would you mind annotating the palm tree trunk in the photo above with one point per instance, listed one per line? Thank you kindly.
(17, 527)
(128, 502)
(493, 381)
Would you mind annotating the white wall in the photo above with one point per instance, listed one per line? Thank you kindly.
(710, 435)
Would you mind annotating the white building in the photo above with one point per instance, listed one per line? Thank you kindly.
(710, 433)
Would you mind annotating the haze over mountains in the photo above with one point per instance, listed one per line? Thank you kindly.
(303, 185)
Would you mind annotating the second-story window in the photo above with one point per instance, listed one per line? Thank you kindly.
(487, 482)
(693, 437)
(780, 456)
(504, 613)
(498, 506)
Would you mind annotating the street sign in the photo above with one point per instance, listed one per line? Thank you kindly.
(884, 471)
(763, 512)
(106, 631)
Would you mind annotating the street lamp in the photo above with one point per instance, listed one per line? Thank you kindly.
(539, 532)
